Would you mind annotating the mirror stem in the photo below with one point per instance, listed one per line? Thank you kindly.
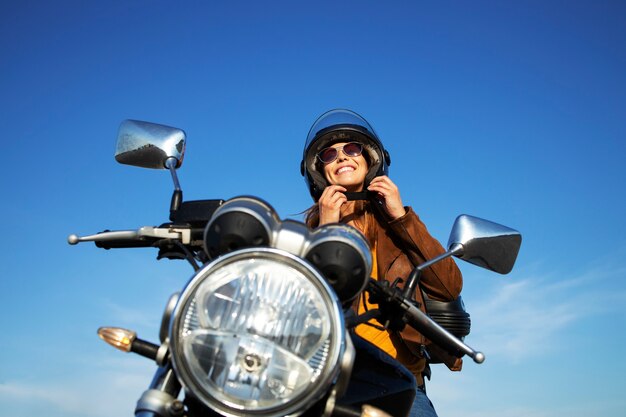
(177, 196)
(414, 278)
(171, 163)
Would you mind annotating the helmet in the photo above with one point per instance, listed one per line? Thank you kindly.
(341, 125)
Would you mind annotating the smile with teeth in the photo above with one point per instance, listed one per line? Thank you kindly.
(345, 169)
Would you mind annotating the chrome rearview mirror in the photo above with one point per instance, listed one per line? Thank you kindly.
(480, 242)
(486, 244)
(149, 145)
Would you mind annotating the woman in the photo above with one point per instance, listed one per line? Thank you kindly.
(343, 155)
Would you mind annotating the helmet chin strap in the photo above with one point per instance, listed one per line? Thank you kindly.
(358, 195)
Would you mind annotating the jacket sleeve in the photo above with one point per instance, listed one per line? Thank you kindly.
(441, 281)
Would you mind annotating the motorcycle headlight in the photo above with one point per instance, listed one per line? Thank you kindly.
(257, 332)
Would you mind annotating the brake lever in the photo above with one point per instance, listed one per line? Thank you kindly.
(437, 334)
(420, 321)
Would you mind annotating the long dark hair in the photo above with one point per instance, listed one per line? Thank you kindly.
(364, 217)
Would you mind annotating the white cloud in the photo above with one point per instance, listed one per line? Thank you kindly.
(523, 318)
(524, 323)
(485, 403)
(54, 396)
(101, 389)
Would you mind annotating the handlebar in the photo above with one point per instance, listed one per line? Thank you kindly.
(437, 334)
(143, 237)
(421, 322)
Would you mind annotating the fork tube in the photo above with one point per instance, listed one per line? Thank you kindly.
(161, 399)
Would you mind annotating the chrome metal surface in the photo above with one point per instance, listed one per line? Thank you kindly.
(347, 363)
(149, 145)
(182, 234)
(167, 315)
(292, 237)
(171, 163)
(160, 399)
(104, 236)
(155, 403)
(484, 243)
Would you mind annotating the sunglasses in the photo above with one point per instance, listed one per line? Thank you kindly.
(328, 155)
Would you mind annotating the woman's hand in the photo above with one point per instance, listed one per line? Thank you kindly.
(330, 204)
(389, 195)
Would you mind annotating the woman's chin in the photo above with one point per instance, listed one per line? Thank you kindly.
(352, 184)
(353, 188)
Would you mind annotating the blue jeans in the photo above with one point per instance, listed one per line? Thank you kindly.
(422, 407)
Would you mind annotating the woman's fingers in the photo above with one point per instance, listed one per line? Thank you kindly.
(389, 193)
(330, 203)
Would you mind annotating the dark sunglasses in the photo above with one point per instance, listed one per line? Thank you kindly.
(328, 155)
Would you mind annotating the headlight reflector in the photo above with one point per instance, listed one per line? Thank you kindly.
(257, 331)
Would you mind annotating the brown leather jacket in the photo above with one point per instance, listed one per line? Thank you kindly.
(404, 243)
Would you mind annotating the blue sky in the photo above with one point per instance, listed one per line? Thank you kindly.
(511, 111)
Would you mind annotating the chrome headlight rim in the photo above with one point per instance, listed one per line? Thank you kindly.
(303, 400)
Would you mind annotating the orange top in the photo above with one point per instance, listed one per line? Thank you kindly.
(385, 340)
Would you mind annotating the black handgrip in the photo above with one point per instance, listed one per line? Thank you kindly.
(126, 243)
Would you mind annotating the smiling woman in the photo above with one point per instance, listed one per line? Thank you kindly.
(345, 165)
(343, 156)
(343, 127)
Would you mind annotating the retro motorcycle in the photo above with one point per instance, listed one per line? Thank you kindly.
(264, 326)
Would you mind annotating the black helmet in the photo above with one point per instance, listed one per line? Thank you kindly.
(341, 125)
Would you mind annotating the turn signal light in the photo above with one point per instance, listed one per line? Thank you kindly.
(117, 337)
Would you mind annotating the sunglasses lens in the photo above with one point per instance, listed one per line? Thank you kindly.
(353, 149)
(327, 155)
